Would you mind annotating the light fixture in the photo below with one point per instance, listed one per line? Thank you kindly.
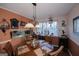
(29, 26)
(50, 20)
(37, 26)
(34, 11)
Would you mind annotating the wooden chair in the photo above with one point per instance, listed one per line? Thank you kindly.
(22, 48)
(8, 49)
(48, 39)
(55, 53)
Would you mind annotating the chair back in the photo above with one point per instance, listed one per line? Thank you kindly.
(55, 53)
(9, 49)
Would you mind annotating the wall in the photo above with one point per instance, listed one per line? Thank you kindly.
(74, 39)
(8, 15)
(60, 28)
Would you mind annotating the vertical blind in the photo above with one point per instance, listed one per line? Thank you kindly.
(47, 29)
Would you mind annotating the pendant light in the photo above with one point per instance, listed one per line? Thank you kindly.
(50, 20)
(30, 25)
(34, 11)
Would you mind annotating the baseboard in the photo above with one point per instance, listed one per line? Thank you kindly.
(69, 52)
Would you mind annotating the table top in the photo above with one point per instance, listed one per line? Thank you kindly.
(38, 50)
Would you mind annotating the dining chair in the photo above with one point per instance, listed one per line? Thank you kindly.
(22, 48)
(57, 52)
(8, 49)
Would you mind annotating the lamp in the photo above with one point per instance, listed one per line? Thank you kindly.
(37, 26)
(29, 26)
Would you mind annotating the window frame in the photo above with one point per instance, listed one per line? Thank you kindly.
(75, 24)
(46, 23)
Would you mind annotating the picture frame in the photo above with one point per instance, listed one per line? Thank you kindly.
(22, 23)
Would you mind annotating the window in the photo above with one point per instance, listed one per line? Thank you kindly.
(48, 29)
(76, 25)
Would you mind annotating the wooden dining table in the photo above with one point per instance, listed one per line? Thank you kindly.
(37, 51)
(31, 52)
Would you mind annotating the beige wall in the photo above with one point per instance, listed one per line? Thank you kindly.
(9, 15)
(74, 13)
(59, 20)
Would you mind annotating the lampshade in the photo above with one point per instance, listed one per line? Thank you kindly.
(29, 25)
(37, 26)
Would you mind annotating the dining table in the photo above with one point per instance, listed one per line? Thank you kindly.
(41, 49)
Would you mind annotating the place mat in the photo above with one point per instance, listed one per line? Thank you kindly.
(46, 46)
(23, 49)
(39, 52)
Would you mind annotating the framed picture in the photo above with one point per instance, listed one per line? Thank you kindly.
(76, 25)
(22, 23)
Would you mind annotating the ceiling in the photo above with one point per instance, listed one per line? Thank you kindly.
(43, 10)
